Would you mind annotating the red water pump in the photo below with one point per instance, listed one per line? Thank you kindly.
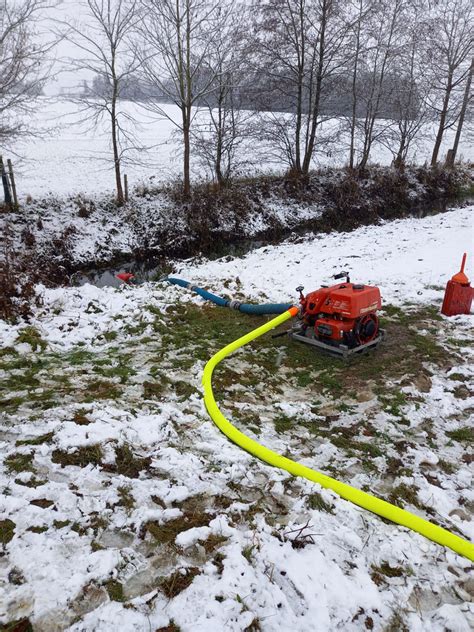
(341, 318)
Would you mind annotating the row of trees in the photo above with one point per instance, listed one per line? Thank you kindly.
(393, 70)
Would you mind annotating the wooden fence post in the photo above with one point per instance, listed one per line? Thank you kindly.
(6, 184)
(125, 186)
(12, 182)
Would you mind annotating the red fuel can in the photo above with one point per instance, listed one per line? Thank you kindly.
(459, 294)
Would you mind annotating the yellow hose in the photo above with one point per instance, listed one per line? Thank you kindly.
(356, 496)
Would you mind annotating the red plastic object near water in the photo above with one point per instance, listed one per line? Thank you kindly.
(459, 294)
(126, 277)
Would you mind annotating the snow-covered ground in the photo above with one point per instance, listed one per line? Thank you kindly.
(68, 157)
(124, 508)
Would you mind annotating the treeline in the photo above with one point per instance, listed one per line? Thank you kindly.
(391, 71)
(261, 93)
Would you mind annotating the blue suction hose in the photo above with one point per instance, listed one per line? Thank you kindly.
(246, 308)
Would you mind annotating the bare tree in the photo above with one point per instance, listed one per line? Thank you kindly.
(220, 126)
(298, 47)
(357, 43)
(176, 38)
(452, 37)
(23, 64)
(410, 99)
(385, 25)
(103, 40)
(451, 157)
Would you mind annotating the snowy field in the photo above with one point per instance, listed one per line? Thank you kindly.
(68, 156)
(124, 508)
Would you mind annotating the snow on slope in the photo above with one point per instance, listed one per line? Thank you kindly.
(407, 258)
(63, 555)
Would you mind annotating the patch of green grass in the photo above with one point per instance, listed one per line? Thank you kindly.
(31, 482)
(316, 501)
(153, 389)
(26, 381)
(41, 398)
(178, 581)
(137, 329)
(446, 466)
(396, 467)
(428, 347)
(95, 546)
(283, 424)
(304, 378)
(126, 463)
(12, 404)
(463, 435)
(100, 389)
(184, 389)
(46, 438)
(85, 455)
(19, 463)
(44, 503)
(126, 498)
(345, 408)
(392, 402)
(80, 418)
(7, 531)
(349, 445)
(109, 336)
(461, 342)
(97, 522)
(396, 623)
(115, 590)
(379, 573)
(167, 532)
(8, 351)
(33, 337)
(328, 382)
(457, 377)
(408, 315)
(122, 370)
(38, 529)
(247, 552)
(17, 363)
(213, 542)
(405, 494)
(218, 561)
(393, 311)
(79, 356)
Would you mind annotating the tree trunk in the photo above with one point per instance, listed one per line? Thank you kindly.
(118, 176)
(220, 124)
(467, 93)
(186, 160)
(299, 105)
(442, 121)
(354, 92)
(115, 144)
(298, 125)
(187, 107)
(317, 96)
(399, 161)
(6, 185)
